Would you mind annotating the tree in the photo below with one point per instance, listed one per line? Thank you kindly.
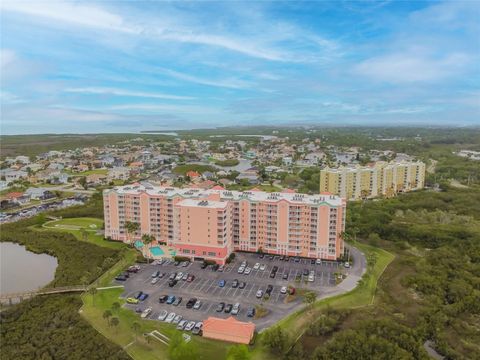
(83, 181)
(84, 234)
(238, 352)
(93, 291)
(309, 298)
(106, 315)
(131, 228)
(147, 240)
(277, 340)
(136, 328)
(115, 322)
(116, 306)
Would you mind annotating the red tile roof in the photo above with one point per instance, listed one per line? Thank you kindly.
(228, 329)
(14, 195)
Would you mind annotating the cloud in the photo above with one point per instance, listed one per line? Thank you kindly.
(402, 68)
(122, 92)
(230, 83)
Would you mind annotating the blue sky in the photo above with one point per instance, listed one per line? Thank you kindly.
(130, 66)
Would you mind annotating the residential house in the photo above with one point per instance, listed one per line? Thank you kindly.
(119, 173)
(13, 175)
(96, 179)
(39, 193)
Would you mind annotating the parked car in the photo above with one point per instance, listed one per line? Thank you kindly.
(172, 276)
(220, 307)
(347, 265)
(155, 274)
(305, 272)
(312, 261)
(285, 276)
(172, 283)
(191, 302)
(297, 259)
(235, 283)
(215, 267)
(185, 277)
(137, 294)
(163, 315)
(287, 258)
(235, 309)
(143, 297)
(241, 269)
(132, 300)
(283, 290)
(221, 283)
(146, 312)
(170, 317)
(262, 267)
(138, 309)
(228, 308)
(177, 319)
(176, 263)
(256, 266)
(311, 276)
(154, 281)
(273, 274)
(204, 265)
(259, 294)
(185, 263)
(179, 276)
(190, 326)
(161, 276)
(121, 278)
(247, 270)
(275, 268)
(281, 258)
(269, 290)
(177, 301)
(181, 325)
(221, 268)
(197, 328)
(242, 285)
(162, 299)
(251, 312)
(171, 299)
(190, 278)
(133, 269)
(318, 262)
(197, 305)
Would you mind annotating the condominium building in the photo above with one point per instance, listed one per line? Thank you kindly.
(211, 224)
(377, 179)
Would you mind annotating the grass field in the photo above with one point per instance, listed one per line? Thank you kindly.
(88, 172)
(76, 226)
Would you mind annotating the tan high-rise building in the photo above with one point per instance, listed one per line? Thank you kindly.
(378, 179)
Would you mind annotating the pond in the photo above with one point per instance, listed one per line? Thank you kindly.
(22, 270)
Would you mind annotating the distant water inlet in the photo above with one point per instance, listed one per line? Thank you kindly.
(23, 270)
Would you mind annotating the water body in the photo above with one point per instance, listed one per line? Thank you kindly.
(243, 165)
(22, 270)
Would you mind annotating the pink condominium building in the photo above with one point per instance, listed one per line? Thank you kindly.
(211, 224)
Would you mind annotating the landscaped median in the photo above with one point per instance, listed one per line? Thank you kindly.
(363, 295)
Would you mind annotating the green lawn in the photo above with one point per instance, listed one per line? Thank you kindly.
(75, 226)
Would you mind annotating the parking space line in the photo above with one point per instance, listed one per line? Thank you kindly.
(250, 291)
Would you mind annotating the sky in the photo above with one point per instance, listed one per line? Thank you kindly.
(120, 66)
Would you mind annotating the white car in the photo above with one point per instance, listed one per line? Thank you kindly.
(244, 263)
(259, 294)
(154, 281)
(318, 262)
(197, 305)
(198, 327)
(311, 276)
(190, 325)
(283, 290)
(177, 319)
(247, 270)
(221, 268)
(241, 269)
(256, 266)
(235, 309)
(170, 317)
(179, 276)
(163, 315)
(262, 267)
(347, 265)
(181, 325)
(146, 312)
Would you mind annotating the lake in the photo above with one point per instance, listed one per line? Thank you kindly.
(22, 270)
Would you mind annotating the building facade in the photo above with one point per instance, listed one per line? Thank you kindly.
(378, 179)
(211, 224)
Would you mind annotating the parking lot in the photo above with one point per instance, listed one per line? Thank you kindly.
(205, 287)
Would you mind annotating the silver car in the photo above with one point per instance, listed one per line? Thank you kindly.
(170, 317)
(197, 305)
(163, 315)
(177, 319)
(190, 326)
(235, 309)
(181, 325)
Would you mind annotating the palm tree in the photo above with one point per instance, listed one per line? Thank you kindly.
(309, 298)
(106, 315)
(131, 228)
(115, 322)
(147, 240)
(136, 328)
(92, 291)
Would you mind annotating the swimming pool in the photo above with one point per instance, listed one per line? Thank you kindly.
(138, 244)
(156, 251)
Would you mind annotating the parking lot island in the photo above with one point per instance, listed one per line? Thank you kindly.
(211, 224)
(229, 329)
